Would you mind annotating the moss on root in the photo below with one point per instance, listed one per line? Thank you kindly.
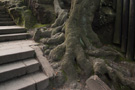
(80, 52)
(40, 25)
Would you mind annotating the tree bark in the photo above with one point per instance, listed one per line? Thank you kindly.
(73, 44)
(118, 23)
(125, 23)
(131, 31)
(79, 37)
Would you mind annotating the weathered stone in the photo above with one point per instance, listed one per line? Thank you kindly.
(42, 9)
(11, 37)
(11, 29)
(4, 23)
(95, 83)
(32, 65)
(18, 69)
(44, 62)
(103, 23)
(41, 80)
(15, 54)
(5, 19)
(11, 70)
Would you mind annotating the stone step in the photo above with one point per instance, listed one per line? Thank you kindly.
(7, 23)
(4, 16)
(1, 3)
(15, 69)
(11, 30)
(3, 12)
(6, 19)
(36, 81)
(2, 9)
(41, 80)
(16, 54)
(10, 37)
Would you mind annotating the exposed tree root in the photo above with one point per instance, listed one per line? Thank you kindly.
(60, 50)
(56, 39)
(42, 33)
(79, 36)
(57, 30)
(105, 53)
(78, 49)
(116, 75)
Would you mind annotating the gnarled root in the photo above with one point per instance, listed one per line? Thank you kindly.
(41, 33)
(57, 53)
(56, 39)
(113, 74)
(73, 44)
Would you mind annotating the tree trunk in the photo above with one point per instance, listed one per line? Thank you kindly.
(71, 42)
(125, 23)
(117, 31)
(79, 37)
(131, 31)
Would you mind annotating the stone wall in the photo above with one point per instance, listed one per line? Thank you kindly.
(42, 9)
(20, 13)
(104, 20)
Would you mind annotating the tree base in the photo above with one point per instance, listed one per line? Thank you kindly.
(76, 52)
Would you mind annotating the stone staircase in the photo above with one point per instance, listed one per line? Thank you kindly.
(19, 68)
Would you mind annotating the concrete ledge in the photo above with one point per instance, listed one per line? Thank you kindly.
(48, 70)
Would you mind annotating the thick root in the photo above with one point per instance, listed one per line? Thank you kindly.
(73, 44)
(57, 53)
(83, 63)
(55, 40)
(113, 74)
(105, 53)
(41, 33)
(62, 15)
(61, 19)
(56, 30)
(68, 65)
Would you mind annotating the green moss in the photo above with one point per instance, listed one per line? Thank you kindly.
(120, 58)
(78, 69)
(16, 15)
(121, 87)
(81, 41)
(92, 72)
(28, 19)
(23, 16)
(125, 59)
(125, 88)
(65, 75)
(40, 25)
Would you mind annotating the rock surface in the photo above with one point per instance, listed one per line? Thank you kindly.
(103, 23)
(95, 83)
(42, 9)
